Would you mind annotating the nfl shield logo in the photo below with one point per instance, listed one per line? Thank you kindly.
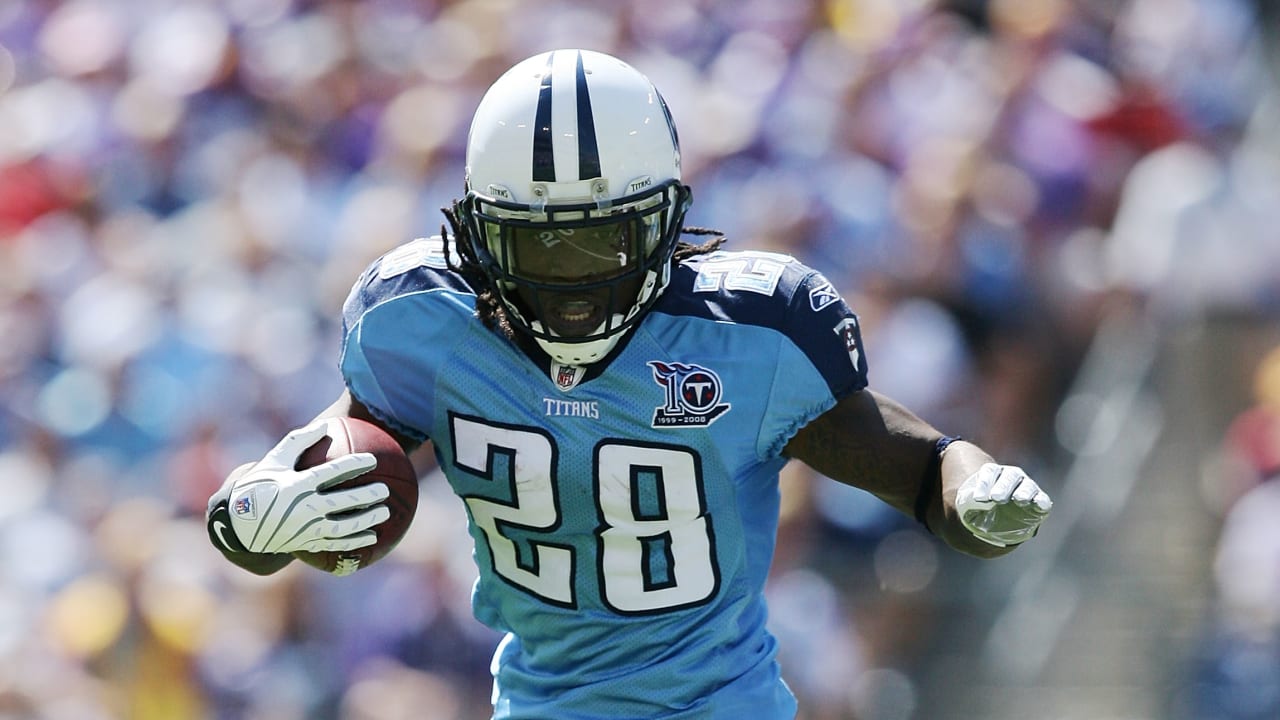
(243, 506)
(567, 377)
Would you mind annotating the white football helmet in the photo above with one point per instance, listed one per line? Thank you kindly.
(574, 202)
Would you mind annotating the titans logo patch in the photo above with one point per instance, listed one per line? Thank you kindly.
(692, 397)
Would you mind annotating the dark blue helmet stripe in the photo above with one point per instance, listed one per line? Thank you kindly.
(666, 113)
(544, 161)
(588, 151)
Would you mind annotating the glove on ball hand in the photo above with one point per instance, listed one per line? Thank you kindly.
(273, 508)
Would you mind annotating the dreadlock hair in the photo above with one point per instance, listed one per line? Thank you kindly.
(489, 306)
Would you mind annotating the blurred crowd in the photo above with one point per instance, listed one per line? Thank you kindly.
(1236, 669)
(188, 188)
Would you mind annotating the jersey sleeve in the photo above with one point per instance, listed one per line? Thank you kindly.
(826, 330)
(394, 322)
(820, 362)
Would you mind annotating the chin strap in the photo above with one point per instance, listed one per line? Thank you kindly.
(590, 349)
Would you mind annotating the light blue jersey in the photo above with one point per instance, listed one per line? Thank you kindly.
(624, 518)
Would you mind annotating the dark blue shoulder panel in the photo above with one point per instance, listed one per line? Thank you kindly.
(416, 266)
(778, 292)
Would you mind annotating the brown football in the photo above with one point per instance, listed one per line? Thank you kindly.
(351, 435)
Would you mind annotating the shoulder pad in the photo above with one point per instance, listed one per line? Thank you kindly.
(746, 286)
(416, 266)
(775, 291)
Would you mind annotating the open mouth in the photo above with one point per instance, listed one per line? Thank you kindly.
(574, 318)
(575, 312)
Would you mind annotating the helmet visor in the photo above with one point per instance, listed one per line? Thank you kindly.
(575, 255)
(577, 272)
(578, 279)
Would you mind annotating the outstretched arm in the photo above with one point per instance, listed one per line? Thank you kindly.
(871, 442)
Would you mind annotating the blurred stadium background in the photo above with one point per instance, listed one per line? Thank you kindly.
(1058, 219)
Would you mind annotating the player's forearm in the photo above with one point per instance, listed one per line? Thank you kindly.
(870, 442)
(218, 523)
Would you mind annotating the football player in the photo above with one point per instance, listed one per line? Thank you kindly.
(613, 404)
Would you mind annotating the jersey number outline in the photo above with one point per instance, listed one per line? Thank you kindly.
(754, 271)
(655, 543)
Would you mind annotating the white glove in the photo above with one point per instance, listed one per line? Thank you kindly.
(276, 509)
(1001, 506)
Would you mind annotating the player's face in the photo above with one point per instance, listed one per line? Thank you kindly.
(578, 276)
